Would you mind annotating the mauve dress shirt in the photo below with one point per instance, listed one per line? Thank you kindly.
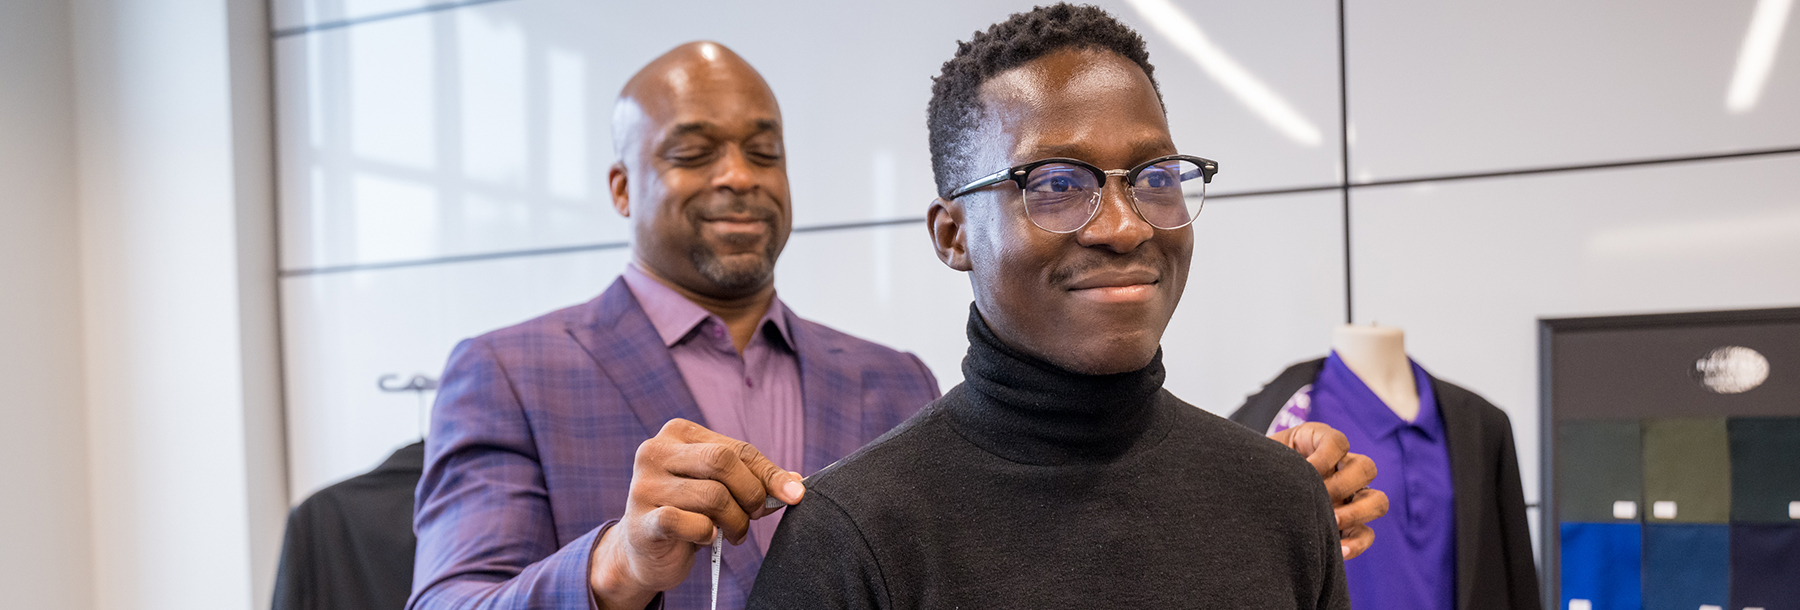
(753, 397)
(1412, 565)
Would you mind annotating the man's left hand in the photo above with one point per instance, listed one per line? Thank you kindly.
(1347, 477)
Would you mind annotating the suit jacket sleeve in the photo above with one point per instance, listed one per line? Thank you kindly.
(1520, 566)
(829, 566)
(486, 533)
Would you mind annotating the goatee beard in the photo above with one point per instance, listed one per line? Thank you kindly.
(739, 277)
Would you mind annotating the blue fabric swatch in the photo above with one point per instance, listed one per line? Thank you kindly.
(1602, 563)
(1686, 566)
(1765, 566)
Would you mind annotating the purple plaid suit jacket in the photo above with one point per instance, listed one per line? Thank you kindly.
(534, 431)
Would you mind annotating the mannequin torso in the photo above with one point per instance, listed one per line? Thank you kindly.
(1377, 354)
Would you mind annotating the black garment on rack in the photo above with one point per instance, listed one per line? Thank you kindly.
(350, 546)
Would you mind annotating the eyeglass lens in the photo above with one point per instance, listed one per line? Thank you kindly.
(1062, 197)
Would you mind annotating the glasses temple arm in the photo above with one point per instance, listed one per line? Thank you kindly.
(981, 183)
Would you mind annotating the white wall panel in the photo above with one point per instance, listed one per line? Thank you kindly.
(487, 128)
(346, 330)
(884, 284)
(1467, 268)
(1266, 289)
(1459, 87)
(419, 137)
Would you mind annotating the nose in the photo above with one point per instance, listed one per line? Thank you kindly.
(735, 172)
(1116, 226)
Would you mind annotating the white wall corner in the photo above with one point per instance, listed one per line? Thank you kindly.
(187, 479)
(44, 521)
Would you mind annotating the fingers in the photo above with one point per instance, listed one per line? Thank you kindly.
(734, 479)
(670, 524)
(1356, 540)
(715, 463)
(1352, 473)
(709, 498)
(774, 480)
(1322, 445)
(1367, 505)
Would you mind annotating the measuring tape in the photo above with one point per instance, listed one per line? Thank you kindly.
(718, 548)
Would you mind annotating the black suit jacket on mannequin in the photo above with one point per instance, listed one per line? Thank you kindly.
(1495, 568)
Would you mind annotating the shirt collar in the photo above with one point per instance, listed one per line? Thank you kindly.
(1373, 415)
(674, 317)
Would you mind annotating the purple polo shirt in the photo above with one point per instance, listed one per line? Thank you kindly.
(1412, 565)
(753, 396)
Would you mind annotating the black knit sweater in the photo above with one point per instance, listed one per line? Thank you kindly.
(1032, 487)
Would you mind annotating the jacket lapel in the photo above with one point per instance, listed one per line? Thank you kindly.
(620, 339)
(1462, 435)
(830, 396)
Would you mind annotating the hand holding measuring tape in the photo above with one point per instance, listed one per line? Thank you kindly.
(691, 488)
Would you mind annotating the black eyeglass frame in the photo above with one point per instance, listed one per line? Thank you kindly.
(1018, 173)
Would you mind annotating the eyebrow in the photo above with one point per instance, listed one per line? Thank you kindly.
(1142, 150)
(682, 129)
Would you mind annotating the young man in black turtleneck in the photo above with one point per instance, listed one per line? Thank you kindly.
(1060, 474)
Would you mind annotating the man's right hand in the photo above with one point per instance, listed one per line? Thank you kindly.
(684, 482)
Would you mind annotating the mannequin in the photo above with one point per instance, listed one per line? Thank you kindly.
(1455, 536)
(1377, 354)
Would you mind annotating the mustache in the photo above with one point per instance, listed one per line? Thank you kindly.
(755, 206)
(1141, 257)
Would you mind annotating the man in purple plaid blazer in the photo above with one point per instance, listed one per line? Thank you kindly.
(580, 459)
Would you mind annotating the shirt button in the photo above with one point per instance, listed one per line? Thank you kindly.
(718, 332)
(748, 383)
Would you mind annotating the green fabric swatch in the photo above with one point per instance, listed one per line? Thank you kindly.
(1598, 463)
(1765, 468)
(1687, 462)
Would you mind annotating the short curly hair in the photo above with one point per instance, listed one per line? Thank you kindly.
(955, 109)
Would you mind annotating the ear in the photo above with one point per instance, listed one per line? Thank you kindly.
(621, 193)
(948, 237)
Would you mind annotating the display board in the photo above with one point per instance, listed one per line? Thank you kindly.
(1671, 452)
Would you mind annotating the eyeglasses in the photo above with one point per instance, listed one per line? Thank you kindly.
(1063, 195)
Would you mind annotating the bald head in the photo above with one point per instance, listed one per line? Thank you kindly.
(697, 73)
(702, 172)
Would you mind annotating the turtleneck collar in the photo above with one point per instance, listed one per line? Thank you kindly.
(1029, 411)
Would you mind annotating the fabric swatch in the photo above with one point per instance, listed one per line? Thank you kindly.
(1686, 566)
(1765, 566)
(1598, 465)
(1687, 463)
(1602, 564)
(1765, 469)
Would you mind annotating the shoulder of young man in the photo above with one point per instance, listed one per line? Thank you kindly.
(1248, 452)
(901, 458)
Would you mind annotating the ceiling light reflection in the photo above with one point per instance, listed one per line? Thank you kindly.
(1171, 22)
(1756, 59)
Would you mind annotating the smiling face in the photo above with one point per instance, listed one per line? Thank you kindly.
(1094, 301)
(702, 172)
